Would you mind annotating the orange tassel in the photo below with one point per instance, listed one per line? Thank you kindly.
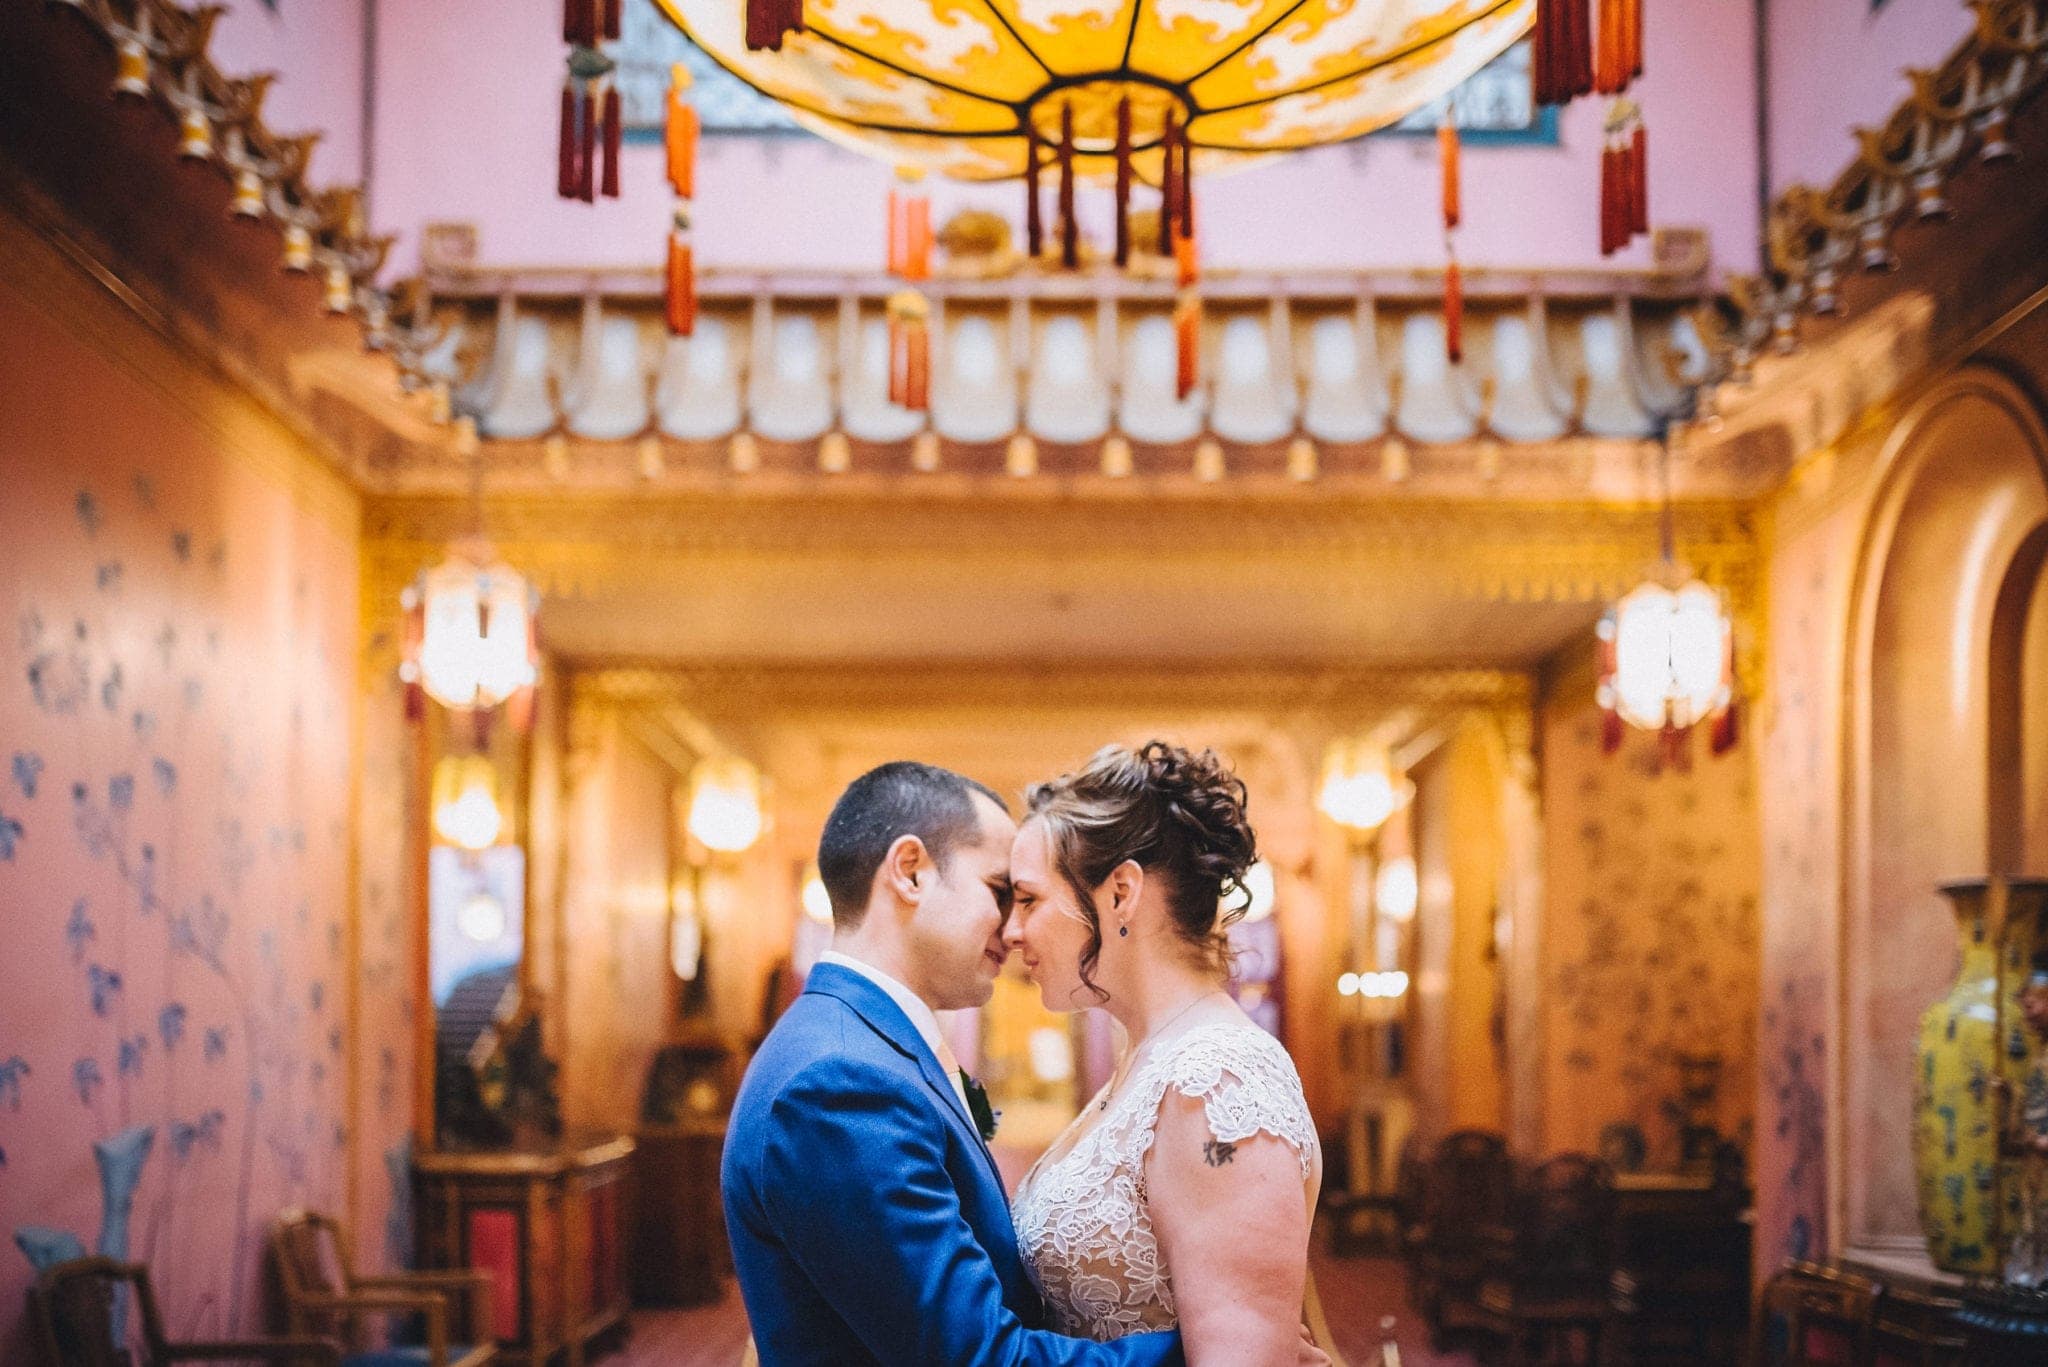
(1187, 336)
(1447, 155)
(1454, 313)
(920, 231)
(898, 372)
(917, 365)
(682, 286)
(895, 234)
(681, 141)
(1169, 174)
(1186, 260)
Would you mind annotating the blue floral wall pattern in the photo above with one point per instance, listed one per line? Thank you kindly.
(178, 665)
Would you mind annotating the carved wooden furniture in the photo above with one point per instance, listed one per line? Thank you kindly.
(1810, 1314)
(1681, 1285)
(76, 1308)
(1916, 1327)
(1467, 1191)
(547, 1224)
(1548, 1268)
(679, 1249)
(322, 1295)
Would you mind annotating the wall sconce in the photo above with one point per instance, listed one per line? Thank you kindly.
(465, 802)
(724, 811)
(1361, 786)
(1397, 890)
(1260, 890)
(817, 902)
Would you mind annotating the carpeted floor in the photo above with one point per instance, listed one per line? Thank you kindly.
(1357, 1292)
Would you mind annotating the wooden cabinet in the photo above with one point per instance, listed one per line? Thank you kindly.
(680, 1255)
(547, 1224)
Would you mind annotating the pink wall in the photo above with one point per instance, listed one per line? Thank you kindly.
(466, 131)
(1835, 64)
(316, 47)
(179, 582)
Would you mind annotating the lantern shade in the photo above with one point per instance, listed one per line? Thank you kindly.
(475, 646)
(1671, 652)
(724, 812)
(1361, 787)
(948, 87)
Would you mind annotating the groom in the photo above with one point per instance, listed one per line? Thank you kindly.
(867, 1219)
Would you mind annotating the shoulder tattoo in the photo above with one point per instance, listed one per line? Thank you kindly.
(1216, 1153)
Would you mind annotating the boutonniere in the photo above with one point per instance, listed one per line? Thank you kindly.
(977, 1106)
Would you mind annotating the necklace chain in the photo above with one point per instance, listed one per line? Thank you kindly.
(1131, 1058)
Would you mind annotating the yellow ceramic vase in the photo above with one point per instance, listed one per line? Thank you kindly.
(2020, 936)
(1955, 1121)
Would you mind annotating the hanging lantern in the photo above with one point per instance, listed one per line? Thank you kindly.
(1361, 786)
(1261, 894)
(1397, 890)
(724, 805)
(965, 91)
(817, 902)
(475, 642)
(465, 802)
(1668, 650)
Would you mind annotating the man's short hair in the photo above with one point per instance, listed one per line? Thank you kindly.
(881, 807)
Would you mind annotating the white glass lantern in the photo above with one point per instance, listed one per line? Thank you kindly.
(1669, 652)
(1397, 890)
(724, 811)
(465, 800)
(475, 643)
(1361, 787)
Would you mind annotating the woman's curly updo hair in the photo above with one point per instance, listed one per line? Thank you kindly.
(1178, 814)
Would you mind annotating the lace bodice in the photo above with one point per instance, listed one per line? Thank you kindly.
(1082, 1215)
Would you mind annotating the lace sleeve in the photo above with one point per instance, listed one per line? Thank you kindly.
(1246, 1083)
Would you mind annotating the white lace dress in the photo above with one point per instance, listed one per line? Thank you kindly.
(1082, 1215)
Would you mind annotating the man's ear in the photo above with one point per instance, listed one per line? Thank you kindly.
(906, 868)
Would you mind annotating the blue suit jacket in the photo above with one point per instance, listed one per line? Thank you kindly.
(868, 1222)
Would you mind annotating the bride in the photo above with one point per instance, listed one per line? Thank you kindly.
(1183, 1192)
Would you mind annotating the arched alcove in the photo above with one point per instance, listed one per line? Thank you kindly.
(1942, 675)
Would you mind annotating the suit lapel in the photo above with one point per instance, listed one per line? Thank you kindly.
(886, 1019)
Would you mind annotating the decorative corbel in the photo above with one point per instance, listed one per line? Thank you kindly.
(1985, 106)
(1809, 243)
(1922, 154)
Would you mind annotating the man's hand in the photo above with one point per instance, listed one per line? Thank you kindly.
(1309, 1355)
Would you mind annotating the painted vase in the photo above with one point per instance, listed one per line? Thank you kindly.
(1955, 1113)
(2020, 1062)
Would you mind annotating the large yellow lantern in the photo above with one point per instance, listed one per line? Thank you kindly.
(972, 90)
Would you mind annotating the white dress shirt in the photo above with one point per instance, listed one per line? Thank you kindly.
(922, 1018)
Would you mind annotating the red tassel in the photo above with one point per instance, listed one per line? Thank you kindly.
(1034, 223)
(770, 21)
(579, 23)
(1187, 337)
(1454, 313)
(1123, 181)
(1610, 198)
(1677, 750)
(567, 177)
(1610, 731)
(1169, 173)
(614, 127)
(1579, 47)
(921, 238)
(1447, 155)
(682, 286)
(586, 151)
(1727, 732)
(612, 16)
(1186, 183)
(1070, 229)
(1639, 179)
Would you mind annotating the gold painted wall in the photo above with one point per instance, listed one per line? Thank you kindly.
(1650, 926)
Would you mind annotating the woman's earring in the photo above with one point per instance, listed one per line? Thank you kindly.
(1123, 932)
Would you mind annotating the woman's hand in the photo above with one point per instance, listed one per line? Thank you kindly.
(1232, 1221)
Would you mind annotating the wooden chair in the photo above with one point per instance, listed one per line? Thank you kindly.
(1916, 1328)
(73, 1306)
(1467, 1191)
(323, 1295)
(1548, 1269)
(1810, 1315)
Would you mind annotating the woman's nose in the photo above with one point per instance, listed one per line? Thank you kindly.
(1013, 931)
